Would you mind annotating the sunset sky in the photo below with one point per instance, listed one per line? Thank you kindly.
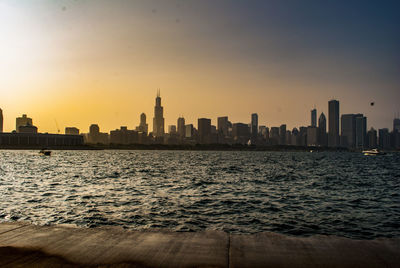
(92, 61)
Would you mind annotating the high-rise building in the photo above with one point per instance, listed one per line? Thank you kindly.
(158, 120)
(204, 129)
(384, 138)
(361, 131)
(1, 120)
(22, 121)
(223, 125)
(372, 138)
(312, 136)
(282, 134)
(143, 126)
(333, 135)
(322, 139)
(241, 133)
(274, 135)
(314, 117)
(348, 130)
(181, 127)
(294, 138)
(254, 127)
(189, 131)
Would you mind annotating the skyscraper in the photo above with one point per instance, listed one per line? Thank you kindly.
(372, 138)
(204, 128)
(158, 120)
(254, 127)
(181, 127)
(223, 125)
(322, 130)
(314, 117)
(348, 130)
(282, 134)
(1, 120)
(333, 135)
(143, 127)
(361, 131)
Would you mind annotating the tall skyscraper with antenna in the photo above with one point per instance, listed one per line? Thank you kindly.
(158, 120)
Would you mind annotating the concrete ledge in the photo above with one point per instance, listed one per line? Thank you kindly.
(27, 245)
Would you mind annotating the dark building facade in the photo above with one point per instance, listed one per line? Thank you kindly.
(333, 134)
(204, 129)
(322, 137)
(37, 140)
(314, 117)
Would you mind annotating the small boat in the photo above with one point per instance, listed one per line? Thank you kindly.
(373, 152)
(45, 152)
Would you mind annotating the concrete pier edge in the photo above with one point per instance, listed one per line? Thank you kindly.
(26, 245)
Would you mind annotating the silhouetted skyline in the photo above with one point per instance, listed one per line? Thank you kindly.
(84, 61)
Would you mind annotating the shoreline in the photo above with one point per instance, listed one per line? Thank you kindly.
(23, 244)
(197, 147)
(182, 147)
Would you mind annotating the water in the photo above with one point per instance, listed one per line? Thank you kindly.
(299, 193)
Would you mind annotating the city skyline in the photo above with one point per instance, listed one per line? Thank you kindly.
(336, 125)
(208, 59)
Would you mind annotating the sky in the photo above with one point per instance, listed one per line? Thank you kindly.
(79, 62)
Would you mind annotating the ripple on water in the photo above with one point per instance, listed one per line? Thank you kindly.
(344, 194)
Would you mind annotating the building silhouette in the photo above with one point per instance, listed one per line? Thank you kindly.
(95, 136)
(314, 117)
(241, 133)
(22, 121)
(71, 131)
(333, 135)
(189, 131)
(361, 131)
(282, 134)
(372, 138)
(124, 136)
(348, 130)
(312, 136)
(254, 128)
(158, 120)
(1, 120)
(172, 129)
(143, 126)
(181, 127)
(223, 125)
(384, 138)
(204, 130)
(322, 138)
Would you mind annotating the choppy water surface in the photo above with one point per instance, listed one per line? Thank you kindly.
(344, 194)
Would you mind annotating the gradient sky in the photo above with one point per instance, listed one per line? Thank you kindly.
(92, 61)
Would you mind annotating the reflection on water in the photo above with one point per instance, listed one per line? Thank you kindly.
(344, 194)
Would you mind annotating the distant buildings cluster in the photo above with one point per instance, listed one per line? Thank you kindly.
(347, 130)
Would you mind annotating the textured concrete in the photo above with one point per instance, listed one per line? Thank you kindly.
(23, 245)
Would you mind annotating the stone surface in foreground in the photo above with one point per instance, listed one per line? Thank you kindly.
(61, 246)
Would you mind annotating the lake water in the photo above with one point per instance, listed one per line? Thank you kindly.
(295, 193)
